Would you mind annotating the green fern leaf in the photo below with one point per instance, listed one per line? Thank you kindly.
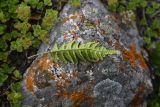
(73, 52)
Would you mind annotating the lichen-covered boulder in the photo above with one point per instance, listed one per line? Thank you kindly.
(116, 81)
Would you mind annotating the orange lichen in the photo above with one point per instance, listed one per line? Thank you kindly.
(29, 82)
(73, 32)
(137, 99)
(80, 96)
(102, 32)
(73, 17)
(77, 96)
(109, 41)
(65, 19)
(116, 18)
(65, 36)
(97, 22)
(141, 61)
(129, 55)
(42, 64)
(116, 45)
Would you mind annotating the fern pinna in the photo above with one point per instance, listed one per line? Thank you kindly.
(73, 52)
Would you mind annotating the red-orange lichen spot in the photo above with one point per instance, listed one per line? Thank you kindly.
(129, 55)
(80, 96)
(29, 83)
(44, 62)
(116, 45)
(142, 61)
(65, 19)
(77, 96)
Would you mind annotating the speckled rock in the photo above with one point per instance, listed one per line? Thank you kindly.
(116, 81)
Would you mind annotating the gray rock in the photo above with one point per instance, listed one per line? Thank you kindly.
(116, 81)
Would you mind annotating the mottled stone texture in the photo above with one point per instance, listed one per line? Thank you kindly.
(116, 81)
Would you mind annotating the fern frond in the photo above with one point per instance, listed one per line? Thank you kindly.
(73, 52)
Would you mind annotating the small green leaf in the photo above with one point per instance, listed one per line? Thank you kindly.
(6, 69)
(17, 74)
(4, 56)
(2, 28)
(16, 87)
(40, 5)
(3, 45)
(48, 2)
(3, 78)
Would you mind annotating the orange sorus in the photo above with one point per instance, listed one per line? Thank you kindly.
(141, 61)
(129, 55)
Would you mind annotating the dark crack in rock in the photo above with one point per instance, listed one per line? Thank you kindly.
(116, 81)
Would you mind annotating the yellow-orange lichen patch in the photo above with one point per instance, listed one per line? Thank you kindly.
(80, 96)
(44, 62)
(141, 61)
(129, 55)
(65, 19)
(73, 16)
(73, 32)
(77, 96)
(29, 82)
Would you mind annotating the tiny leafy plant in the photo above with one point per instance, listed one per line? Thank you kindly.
(73, 52)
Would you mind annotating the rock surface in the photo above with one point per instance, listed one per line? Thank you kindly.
(116, 81)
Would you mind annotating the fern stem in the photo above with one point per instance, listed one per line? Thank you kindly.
(117, 52)
(30, 57)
